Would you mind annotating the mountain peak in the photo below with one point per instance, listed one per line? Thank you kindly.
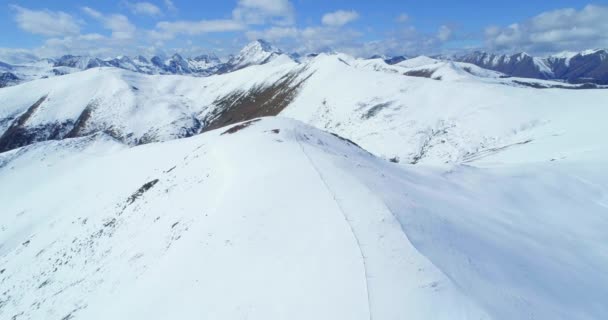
(176, 56)
(259, 46)
(256, 52)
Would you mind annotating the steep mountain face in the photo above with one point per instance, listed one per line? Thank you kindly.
(206, 63)
(8, 79)
(135, 109)
(396, 59)
(589, 66)
(79, 62)
(584, 67)
(518, 65)
(256, 53)
(176, 64)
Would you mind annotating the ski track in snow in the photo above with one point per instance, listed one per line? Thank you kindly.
(298, 139)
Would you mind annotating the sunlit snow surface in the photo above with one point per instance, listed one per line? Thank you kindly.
(277, 219)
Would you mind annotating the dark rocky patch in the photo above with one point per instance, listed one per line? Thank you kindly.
(8, 79)
(16, 136)
(395, 60)
(240, 127)
(147, 186)
(341, 60)
(542, 86)
(347, 141)
(259, 101)
(44, 283)
(373, 111)
(424, 73)
(81, 123)
(427, 144)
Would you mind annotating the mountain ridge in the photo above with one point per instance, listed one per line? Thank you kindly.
(589, 66)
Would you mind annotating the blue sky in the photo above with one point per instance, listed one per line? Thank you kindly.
(109, 27)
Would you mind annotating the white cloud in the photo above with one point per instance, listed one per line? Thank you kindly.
(444, 33)
(144, 8)
(119, 24)
(45, 22)
(170, 6)
(92, 12)
(557, 30)
(310, 39)
(168, 30)
(403, 18)
(16, 56)
(339, 18)
(274, 33)
(279, 12)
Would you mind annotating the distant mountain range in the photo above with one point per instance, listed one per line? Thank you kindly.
(589, 66)
(257, 52)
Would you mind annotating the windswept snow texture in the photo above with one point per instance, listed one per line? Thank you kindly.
(277, 220)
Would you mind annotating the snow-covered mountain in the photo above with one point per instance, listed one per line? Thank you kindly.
(334, 92)
(255, 53)
(589, 66)
(199, 66)
(257, 219)
(424, 189)
(8, 79)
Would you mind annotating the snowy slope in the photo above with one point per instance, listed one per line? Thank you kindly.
(420, 120)
(274, 219)
(106, 214)
(414, 119)
(132, 107)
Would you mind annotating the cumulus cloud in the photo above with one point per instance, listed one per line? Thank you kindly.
(405, 40)
(170, 6)
(310, 39)
(118, 24)
(444, 33)
(16, 56)
(168, 30)
(339, 18)
(246, 13)
(45, 22)
(274, 33)
(144, 8)
(279, 12)
(557, 30)
(93, 44)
